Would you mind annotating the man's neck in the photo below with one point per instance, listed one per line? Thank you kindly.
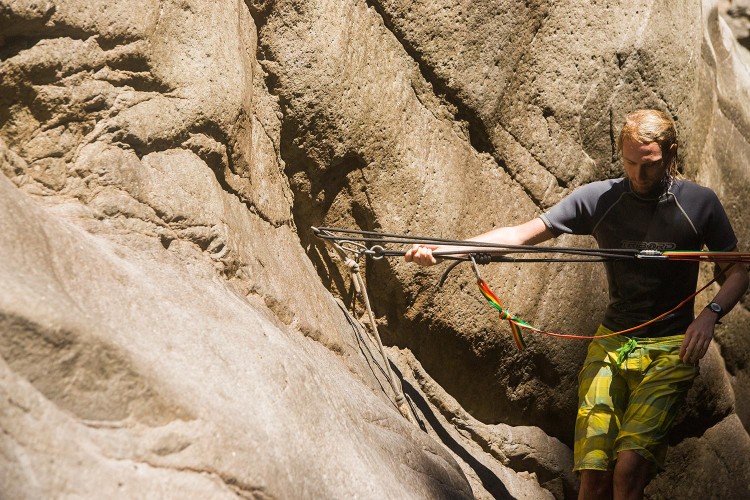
(656, 193)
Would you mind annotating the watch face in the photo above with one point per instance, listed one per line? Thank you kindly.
(715, 307)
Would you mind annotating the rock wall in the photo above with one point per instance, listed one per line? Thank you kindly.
(737, 15)
(170, 326)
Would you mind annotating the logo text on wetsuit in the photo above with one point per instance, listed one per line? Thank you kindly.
(648, 245)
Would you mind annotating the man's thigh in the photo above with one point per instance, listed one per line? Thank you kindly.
(602, 401)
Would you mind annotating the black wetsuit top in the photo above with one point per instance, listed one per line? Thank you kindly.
(686, 217)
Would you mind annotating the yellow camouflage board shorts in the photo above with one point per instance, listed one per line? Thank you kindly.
(630, 405)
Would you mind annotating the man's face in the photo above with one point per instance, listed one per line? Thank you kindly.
(643, 166)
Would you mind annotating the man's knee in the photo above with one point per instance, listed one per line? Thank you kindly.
(595, 484)
(632, 471)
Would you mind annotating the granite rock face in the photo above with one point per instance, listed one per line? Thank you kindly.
(163, 332)
(736, 13)
(170, 326)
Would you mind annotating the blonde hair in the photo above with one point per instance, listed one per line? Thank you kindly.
(652, 125)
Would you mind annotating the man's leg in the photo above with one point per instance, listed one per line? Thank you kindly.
(632, 474)
(602, 398)
(641, 445)
(595, 484)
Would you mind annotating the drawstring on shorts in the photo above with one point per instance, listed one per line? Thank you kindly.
(624, 351)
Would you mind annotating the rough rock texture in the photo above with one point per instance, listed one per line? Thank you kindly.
(156, 333)
(489, 454)
(737, 15)
(166, 324)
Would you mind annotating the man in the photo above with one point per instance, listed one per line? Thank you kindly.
(631, 387)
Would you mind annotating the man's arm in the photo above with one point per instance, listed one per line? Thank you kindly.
(700, 332)
(529, 233)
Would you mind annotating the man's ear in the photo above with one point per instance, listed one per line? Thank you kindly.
(670, 153)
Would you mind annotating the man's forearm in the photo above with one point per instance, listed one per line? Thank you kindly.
(529, 233)
(734, 287)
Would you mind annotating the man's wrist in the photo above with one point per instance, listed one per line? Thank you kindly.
(717, 310)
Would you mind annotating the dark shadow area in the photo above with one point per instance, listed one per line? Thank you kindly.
(701, 411)
(375, 368)
(477, 363)
(489, 479)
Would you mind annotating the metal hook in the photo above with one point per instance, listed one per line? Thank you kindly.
(352, 247)
(377, 252)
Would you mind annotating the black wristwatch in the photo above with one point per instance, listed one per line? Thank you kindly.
(716, 308)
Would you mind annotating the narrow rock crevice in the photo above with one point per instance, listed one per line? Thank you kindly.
(487, 477)
(12, 45)
(477, 133)
(476, 130)
(260, 10)
(513, 174)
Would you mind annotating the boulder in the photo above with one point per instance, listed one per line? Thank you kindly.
(170, 325)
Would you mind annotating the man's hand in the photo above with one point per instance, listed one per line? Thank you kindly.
(700, 332)
(422, 255)
(528, 233)
(698, 337)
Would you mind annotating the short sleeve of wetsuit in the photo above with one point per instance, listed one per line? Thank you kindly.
(577, 212)
(711, 219)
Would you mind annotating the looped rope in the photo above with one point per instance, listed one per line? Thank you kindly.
(516, 324)
(499, 253)
(359, 286)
